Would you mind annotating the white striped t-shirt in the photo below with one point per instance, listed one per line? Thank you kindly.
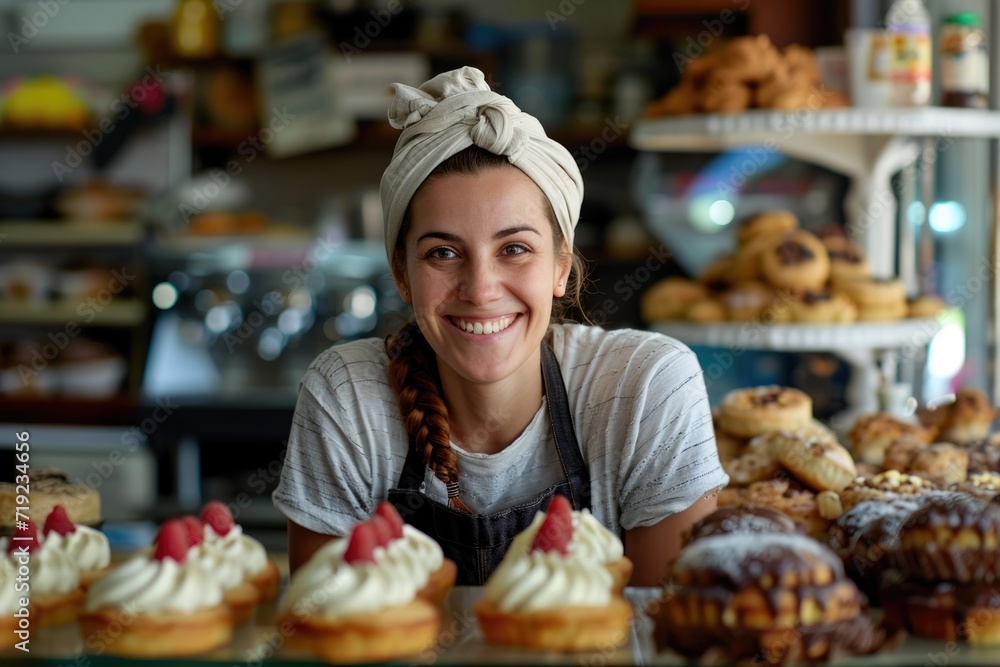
(640, 412)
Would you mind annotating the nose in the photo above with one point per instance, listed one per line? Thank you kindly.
(479, 283)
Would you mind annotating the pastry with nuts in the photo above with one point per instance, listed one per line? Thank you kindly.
(884, 486)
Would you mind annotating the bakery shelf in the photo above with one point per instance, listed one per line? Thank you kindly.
(804, 337)
(867, 145)
(462, 644)
(117, 313)
(77, 233)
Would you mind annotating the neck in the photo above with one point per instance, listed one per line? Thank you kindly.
(486, 418)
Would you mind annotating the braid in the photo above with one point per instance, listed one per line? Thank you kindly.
(413, 377)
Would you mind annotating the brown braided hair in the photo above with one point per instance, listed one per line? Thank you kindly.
(412, 370)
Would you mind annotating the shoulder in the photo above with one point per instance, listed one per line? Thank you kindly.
(354, 361)
(589, 349)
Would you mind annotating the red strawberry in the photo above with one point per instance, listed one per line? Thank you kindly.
(58, 522)
(556, 530)
(383, 530)
(361, 544)
(560, 505)
(218, 516)
(172, 541)
(386, 510)
(26, 536)
(195, 530)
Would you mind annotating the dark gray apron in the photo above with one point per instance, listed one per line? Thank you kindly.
(478, 542)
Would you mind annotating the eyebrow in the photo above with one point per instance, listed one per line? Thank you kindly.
(454, 238)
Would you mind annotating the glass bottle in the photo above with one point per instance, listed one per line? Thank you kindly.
(909, 27)
(964, 62)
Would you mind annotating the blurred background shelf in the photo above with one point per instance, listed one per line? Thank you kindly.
(49, 233)
(804, 337)
(117, 313)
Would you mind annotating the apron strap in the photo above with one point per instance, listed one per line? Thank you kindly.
(574, 466)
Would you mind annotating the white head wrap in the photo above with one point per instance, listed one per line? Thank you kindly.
(453, 111)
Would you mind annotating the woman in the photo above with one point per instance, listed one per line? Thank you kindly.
(471, 418)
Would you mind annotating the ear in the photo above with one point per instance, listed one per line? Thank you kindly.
(403, 285)
(564, 263)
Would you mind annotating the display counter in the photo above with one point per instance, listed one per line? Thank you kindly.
(461, 643)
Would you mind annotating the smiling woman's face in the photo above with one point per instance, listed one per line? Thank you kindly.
(481, 272)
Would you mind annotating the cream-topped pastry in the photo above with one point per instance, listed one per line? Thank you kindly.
(160, 604)
(539, 580)
(9, 604)
(590, 540)
(88, 548)
(225, 537)
(354, 602)
(54, 576)
(418, 553)
(555, 594)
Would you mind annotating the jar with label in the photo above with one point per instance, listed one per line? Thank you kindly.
(964, 62)
(909, 28)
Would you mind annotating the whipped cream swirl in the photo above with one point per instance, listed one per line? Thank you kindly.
(416, 553)
(590, 538)
(9, 595)
(535, 580)
(151, 585)
(242, 550)
(87, 547)
(332, 588)
(53, 569)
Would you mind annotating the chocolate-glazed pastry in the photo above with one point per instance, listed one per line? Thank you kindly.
(866, 538)
(984, 455)
(732, 520)
(951, 537)
(776, 598)
(945, 611)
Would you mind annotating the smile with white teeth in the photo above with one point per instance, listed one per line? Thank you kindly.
(488, 327)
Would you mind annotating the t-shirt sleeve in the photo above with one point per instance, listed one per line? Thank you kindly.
(670, 458)
(326, 481)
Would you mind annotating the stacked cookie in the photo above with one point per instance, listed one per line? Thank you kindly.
(748, 72)
(781, 273)
(747, 587)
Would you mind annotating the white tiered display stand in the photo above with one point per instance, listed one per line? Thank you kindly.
(866, 145)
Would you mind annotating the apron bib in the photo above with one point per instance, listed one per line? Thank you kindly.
(477, 542)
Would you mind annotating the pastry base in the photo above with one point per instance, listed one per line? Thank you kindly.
(170, 634)
(50, 611)
(389, 633)
(564, 629)
(439, 583)
(242, 601)
(267, 581)
(944, 611)
(621, 572)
